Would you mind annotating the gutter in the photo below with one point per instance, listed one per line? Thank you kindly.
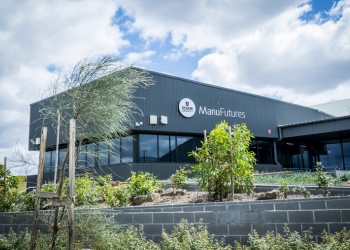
(274, 145)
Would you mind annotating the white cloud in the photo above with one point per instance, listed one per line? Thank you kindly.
(259, 46)
(142, 58)
(36, 34)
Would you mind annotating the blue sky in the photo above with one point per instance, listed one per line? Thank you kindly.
(296, 51)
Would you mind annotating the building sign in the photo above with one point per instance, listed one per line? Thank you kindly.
(187, 107)
(221, 112)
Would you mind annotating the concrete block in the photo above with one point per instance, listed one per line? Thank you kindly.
(163, 218)
(300, 216)
(275, 216)
(251, 217)
(194, 208)
(168, 228)
(262, 228)
(312, 205)
(317, 228)
(229, 217)
(262, 207)
(152, 210)
(152, 229)
(345, 215)
(5, 218)
(239, 229)
(327, 216)
(190, 217)
(208, 217)
(287, 206)
(123, 218)
(172, 209)
(142, 218)
(238, 207)
(337, 227)
(215, 208)
(217, 229)
(338, 204)
(292, 228)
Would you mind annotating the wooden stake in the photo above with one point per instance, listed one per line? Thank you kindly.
(205, 135)
(57, 146)
(38, 187)
(232, 184)
(71, 184)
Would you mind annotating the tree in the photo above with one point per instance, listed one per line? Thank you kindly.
(98, 94)
(224, 158)
(8, 189)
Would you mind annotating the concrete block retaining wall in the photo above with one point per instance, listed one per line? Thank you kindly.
(235, 220)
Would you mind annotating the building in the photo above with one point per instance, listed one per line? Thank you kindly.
(177, 111)
(336, 108)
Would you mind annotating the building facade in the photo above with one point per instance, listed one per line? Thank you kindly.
(176, 111)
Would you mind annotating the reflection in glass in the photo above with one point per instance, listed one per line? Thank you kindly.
(148, 148)
(82, 156)
(172, 148)
(164, 148)
(346, 152)
(90, 155)
(127, 149)
(184, 146)
(102, 155)
(331, 155)
(62, 154)
(264, 152)
(114, 153)
(47, 162)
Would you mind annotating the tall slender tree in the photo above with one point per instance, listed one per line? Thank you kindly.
(98, 93)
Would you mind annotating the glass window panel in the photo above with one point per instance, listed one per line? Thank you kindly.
(47, 162)
(148, 148)
(331, 155)
(62, 154)
(346, 152)
(127, 149)
(172, 148)
(102, 159)
(253, 146)
(264, 152)
(82, 156)
(90, 155)
(280, 153)
(198, 142)
(164, 148)
(114, 153)
(184, 146)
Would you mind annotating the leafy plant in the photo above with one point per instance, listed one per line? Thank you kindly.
(224, 161)
(142, 184)
(178, 180)
(301, 190)
(284, 188)
(117, 196)
(322, 180)
(188, 236)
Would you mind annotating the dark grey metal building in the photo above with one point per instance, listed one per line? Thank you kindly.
(176, 111)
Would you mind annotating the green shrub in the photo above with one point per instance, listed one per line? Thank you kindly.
(187, 236)
(343, 178)
(86, 190)
(284, 188)
(131, 238)
(322, 180)
(142, 184)
(301, 190)
(178, 180)
(117, 196)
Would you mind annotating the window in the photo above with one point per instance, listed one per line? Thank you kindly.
(184, 146)
(114, 152)
(102, 155)
(127, 149)
(148, 148)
